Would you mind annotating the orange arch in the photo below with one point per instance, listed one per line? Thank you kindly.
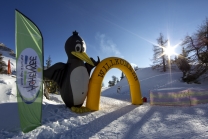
(95, 84)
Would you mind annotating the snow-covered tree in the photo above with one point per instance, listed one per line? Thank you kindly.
(3, 65)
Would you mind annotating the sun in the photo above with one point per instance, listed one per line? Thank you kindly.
(169, 50)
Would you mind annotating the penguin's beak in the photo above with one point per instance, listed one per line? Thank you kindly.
(83, 56)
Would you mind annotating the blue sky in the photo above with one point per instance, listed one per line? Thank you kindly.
(122, 28)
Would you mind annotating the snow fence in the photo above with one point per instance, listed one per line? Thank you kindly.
(178, 96)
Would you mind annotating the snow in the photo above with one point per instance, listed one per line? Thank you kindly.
(133, 65)
(117, 117)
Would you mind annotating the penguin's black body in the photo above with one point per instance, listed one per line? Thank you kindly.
(73, 77)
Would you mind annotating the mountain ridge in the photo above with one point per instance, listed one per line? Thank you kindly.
(3, 47)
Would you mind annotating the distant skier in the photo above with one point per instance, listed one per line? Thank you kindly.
(118, 89)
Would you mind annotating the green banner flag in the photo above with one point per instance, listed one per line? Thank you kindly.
(29, 66)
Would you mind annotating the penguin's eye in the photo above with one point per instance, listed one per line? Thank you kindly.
(78, 48)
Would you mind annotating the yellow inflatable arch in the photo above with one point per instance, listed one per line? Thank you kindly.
(95, 84)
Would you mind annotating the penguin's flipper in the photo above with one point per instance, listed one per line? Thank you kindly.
(95, 62)
(90, 67)
(56, 73)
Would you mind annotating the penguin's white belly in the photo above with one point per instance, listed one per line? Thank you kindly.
(79, 80)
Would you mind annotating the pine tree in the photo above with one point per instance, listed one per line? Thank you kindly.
(48, 62)
(183, 63)
(3, 65)
(159, 59)
(110, 83)
(117, 80)
(50, 85)
(113, 82)
(122, 76)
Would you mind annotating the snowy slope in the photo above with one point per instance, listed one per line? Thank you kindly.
(150, 80)
(117, 117)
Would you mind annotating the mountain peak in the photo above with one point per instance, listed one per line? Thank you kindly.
(3, 47)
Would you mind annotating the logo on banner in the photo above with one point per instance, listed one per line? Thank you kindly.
(29, 75)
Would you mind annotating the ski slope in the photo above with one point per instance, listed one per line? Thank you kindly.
(117, 117)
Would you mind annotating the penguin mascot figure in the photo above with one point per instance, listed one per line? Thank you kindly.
(73, 77)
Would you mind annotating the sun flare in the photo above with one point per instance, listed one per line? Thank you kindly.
(169, 50)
